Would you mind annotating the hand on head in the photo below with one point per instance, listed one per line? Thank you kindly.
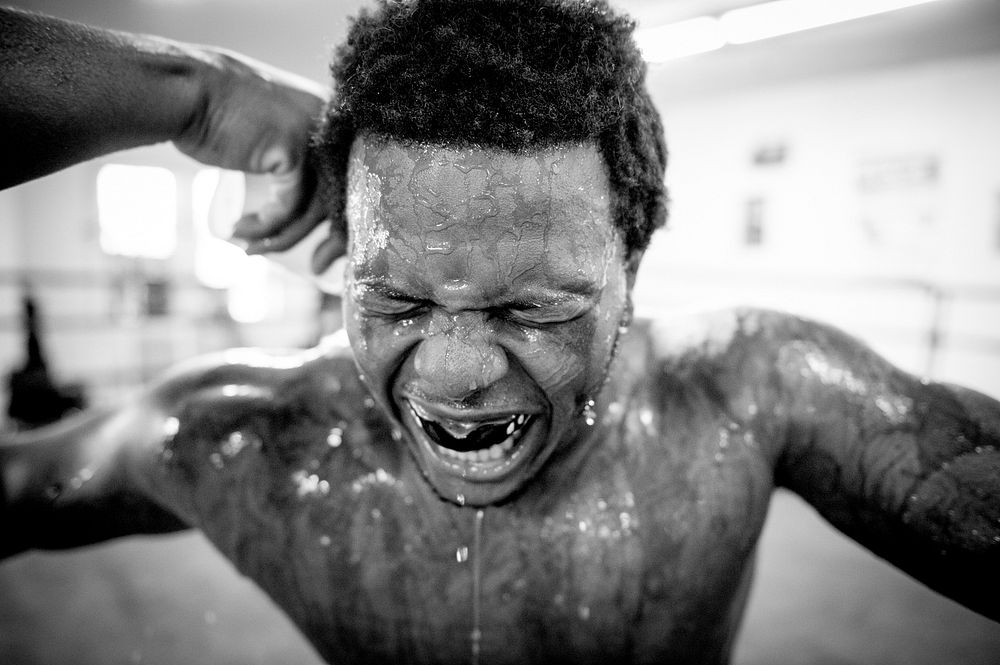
(259, 119)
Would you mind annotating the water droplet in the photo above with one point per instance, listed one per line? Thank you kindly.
(396, 434)
(584, 612)
(718, 458)
(324, 540)
(369, 403)
(376, 514)
(583, 526)
(460, 499)
(462, 554)
(234, 443)
(335, 437)
(475, 637)
(558, 600)
(589, 414)
(171, 426)
(53, 491)
(216, 460)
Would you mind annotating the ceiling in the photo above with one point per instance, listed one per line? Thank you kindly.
(298, 35)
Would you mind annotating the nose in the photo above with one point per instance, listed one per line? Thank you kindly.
(459, 357)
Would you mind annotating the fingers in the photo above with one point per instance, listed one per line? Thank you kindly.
(286, 194)
(280, 237)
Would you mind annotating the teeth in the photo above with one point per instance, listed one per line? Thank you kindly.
(494, 452)
(460, 430)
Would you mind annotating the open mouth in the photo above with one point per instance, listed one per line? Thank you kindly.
(479, 445)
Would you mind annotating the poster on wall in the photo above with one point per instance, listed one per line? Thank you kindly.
(899, 208)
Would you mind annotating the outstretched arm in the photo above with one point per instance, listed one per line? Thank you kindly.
(70, 92)
(908, 468)
(73, 484)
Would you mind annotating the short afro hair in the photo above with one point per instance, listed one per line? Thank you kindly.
(505, 74)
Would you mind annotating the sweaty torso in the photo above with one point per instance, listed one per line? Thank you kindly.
(641, 550)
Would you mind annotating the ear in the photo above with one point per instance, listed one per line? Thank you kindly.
(631, 270)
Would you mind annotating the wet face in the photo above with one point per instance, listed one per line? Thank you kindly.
(484, 292)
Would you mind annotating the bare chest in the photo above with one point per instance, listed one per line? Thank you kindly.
(647, 555)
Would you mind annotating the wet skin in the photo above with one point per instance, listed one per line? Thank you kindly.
(621, 532)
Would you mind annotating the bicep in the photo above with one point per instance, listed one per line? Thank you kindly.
(906, 467)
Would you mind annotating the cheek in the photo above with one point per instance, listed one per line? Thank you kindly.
(376, 347)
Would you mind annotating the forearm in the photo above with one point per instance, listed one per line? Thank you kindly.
(66, 486)
(69, 92)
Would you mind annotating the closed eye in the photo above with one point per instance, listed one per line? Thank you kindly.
(547, 313)
(391, 307)
(382, 301)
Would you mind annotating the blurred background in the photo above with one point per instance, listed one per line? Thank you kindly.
(848, 172)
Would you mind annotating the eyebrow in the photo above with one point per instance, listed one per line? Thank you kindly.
(383, 288)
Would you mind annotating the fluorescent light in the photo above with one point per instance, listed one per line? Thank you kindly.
(676, 40)
(771, 19)
(753, 23)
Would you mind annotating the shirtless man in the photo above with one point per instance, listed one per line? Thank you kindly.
(494, 463)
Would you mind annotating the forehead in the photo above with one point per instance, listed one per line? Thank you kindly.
(423, 203)
(446, 195)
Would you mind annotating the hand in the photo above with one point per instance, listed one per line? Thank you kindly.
(259, 119)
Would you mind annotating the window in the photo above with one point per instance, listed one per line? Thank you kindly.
(137, 211)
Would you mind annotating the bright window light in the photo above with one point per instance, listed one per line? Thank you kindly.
(256, 296)
(137, 210)
(215, 207)
(676, 40)
(771, 19)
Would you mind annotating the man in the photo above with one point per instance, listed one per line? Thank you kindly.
(495, 464)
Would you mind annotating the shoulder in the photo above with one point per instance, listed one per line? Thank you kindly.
(250, 373)
(744, 335)
(735, 333)
(759, 366)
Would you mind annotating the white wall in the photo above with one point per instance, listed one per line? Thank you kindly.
(880, 263)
